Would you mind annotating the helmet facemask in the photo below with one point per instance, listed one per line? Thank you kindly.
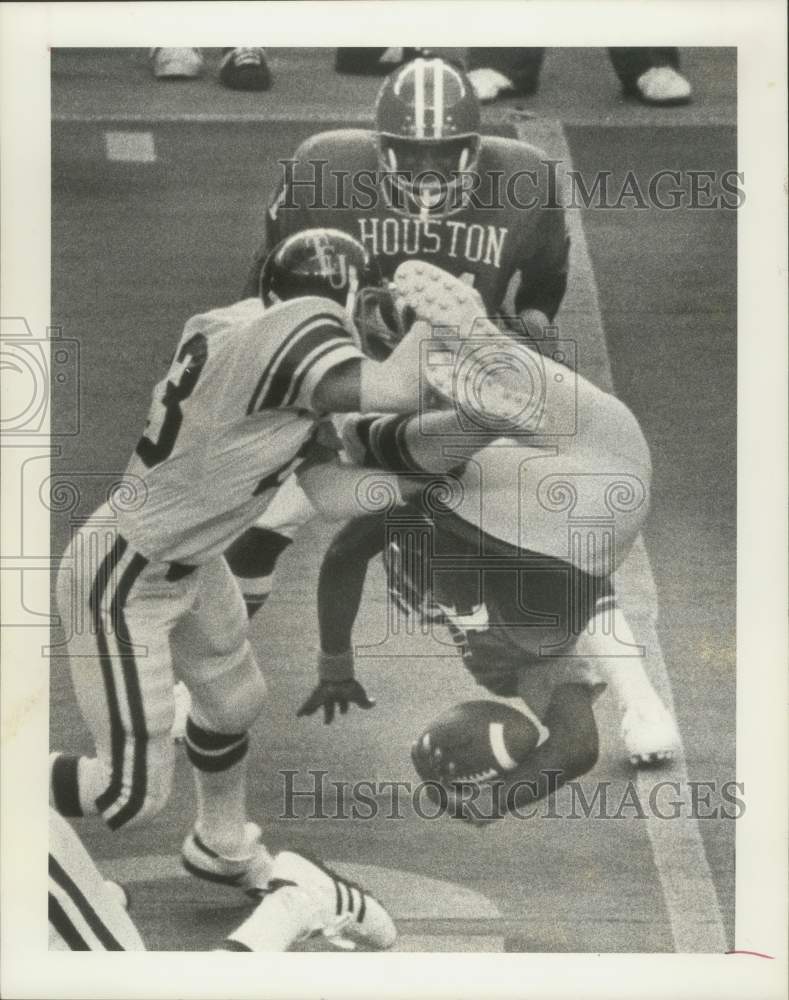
(429, 177)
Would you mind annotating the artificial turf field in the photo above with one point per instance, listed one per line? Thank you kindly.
(140, 246)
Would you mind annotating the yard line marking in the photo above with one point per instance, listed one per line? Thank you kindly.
(130, 147)
(678, 850)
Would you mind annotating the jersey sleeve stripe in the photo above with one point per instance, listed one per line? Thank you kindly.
(309, 365)
(261, 389)
(278, 390)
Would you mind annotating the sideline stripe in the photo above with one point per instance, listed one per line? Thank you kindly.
(678, 850)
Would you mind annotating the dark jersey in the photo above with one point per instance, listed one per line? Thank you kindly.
(505, 607)
(511, 226)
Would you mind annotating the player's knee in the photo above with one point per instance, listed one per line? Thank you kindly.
(232, 702)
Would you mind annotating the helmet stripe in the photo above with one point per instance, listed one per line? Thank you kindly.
(438, 98)
(419, 97)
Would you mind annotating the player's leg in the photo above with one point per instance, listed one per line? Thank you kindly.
(120, 610)
(214, 659)
(648, 729)
(84, 913)
(254, 555)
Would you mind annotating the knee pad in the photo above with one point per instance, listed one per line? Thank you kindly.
(232, 702)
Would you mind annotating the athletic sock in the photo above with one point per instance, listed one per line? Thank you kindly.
(219, 761)
(607, 641)
(75, 783)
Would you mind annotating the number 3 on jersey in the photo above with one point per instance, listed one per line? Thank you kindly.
(193, 356)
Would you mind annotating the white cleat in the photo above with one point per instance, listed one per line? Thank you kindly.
(249, 872)
(343, 912)
(443, 300)
(650, 735)
(176, 64)
(499, 385)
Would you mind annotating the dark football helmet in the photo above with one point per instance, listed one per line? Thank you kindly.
(334, 265)
(323, 262)
(427, 120)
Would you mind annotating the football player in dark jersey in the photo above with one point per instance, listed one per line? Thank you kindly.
(426, 185)
(514, 547)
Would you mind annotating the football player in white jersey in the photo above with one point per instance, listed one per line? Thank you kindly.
(146, 589)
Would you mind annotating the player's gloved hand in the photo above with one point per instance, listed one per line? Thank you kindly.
(335, 694)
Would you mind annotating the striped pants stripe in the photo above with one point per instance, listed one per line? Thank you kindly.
(83, 915)
(131, 630)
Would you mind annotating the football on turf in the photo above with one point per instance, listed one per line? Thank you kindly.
(476, 741)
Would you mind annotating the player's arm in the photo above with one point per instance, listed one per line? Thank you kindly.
(543, 276)
(363, 385)
(340, 585)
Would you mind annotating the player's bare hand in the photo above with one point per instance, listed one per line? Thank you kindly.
(335, 694)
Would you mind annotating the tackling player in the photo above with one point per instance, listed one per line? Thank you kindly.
(144, 584)
(426, 185)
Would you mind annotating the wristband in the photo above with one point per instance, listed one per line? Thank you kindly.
(335, 666)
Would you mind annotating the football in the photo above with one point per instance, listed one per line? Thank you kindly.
(476, 741)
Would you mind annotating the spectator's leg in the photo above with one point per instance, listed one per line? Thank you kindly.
(652, 75)
(495, 72)
(361, 61)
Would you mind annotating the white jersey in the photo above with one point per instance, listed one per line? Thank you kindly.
(230, 421)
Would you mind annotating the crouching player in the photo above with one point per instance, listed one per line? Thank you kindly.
(521, 565)
(145, 586)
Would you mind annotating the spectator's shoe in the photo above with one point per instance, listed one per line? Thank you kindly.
(183, 705)
(662, 85)
(343, 912)
(244, 69)
(489, 85)
(250, 872)
(650, 734)
(176, 64)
